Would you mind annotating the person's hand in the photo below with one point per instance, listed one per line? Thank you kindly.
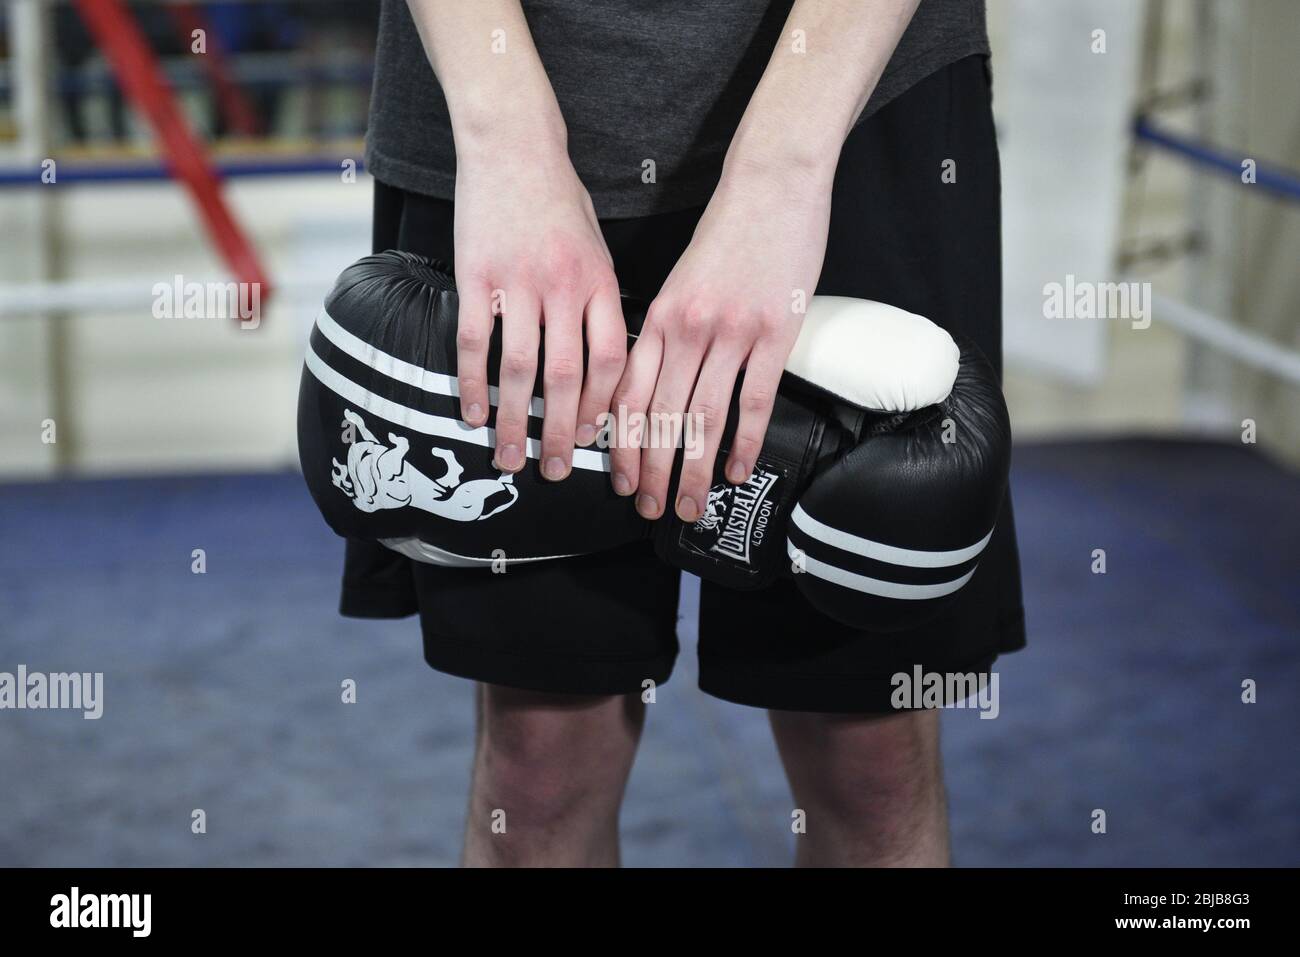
(734, 299)
(529, 249)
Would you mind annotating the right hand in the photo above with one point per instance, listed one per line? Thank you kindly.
(529, 249)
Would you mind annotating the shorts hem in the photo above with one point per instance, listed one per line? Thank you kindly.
(375, 602)
(554, 674)
(776, 689)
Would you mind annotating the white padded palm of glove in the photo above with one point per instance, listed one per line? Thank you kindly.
(874, 355)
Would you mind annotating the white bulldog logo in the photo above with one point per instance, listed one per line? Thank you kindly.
(378, 477)
(714, 509)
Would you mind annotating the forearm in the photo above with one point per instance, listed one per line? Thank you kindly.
(497, 91)
(806, 102)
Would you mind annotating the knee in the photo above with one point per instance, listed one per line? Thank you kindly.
(527, 769)
(871, 771)
(542, 767)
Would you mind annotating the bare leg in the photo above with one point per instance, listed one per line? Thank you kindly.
(871, 787)
(549, 775)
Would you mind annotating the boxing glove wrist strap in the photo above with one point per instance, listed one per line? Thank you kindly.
(739, 541)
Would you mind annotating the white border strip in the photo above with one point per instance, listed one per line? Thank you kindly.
(399, 369)
(872, 586)
(441, 426)
(912, 558)
(422, 551)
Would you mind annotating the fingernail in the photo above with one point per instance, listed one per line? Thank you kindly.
(621, 484)
(687, 510)
(474, 414)
(586, 434)
(555, 468)
(737, 472)
(508, 458)
(647, 506)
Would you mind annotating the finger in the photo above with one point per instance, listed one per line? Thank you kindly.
(757, 394)
(705, 420)
(561, 383)
(520, 336)
(631, 398)
(606, 357)
(473, 331)
(677, 377)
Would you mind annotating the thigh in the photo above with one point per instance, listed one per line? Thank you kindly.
(552, 769)
(545, 735)
(901, 233)
(830, 757)
(871, 788)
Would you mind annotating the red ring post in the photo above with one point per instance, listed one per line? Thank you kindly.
(138, 72)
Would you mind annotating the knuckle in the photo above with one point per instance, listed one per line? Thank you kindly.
(509, 426)
(604, 284)
(608, 357)
(658, 314)
(732, 324)
(756, 400)
(563, 371)
(470, 339)
(746, 446)
(694, 488)
(627, 394)
(562, 266)
(473, 270)
(653, 477)
(707, 413)
(695, 325)
(660, 407)
(768, 321)
(518, 362)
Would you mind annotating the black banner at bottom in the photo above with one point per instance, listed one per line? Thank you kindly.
(216, 906)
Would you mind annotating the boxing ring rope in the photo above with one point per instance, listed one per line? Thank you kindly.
(249, 70)
(1273, 179)
(115, 30)
(203, 178)
(1227, 337)
(109, 296)
(157, 171)
(1223, 334)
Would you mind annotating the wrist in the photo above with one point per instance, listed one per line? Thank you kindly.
(535, 130)
(790, 160)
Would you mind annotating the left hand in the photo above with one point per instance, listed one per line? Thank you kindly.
(734, 300)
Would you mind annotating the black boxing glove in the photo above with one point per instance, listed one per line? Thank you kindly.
(387, 457)
(880, 479)
(888, 447)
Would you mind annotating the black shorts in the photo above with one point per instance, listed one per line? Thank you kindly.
(605, 623)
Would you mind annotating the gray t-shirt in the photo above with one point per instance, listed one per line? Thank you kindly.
(636, 80)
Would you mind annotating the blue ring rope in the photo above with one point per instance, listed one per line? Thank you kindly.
(148, 172)
(1274, 179)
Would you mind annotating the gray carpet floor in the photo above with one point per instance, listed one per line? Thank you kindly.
(222, 690)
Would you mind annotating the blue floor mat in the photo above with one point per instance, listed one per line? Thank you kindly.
(222, 690)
